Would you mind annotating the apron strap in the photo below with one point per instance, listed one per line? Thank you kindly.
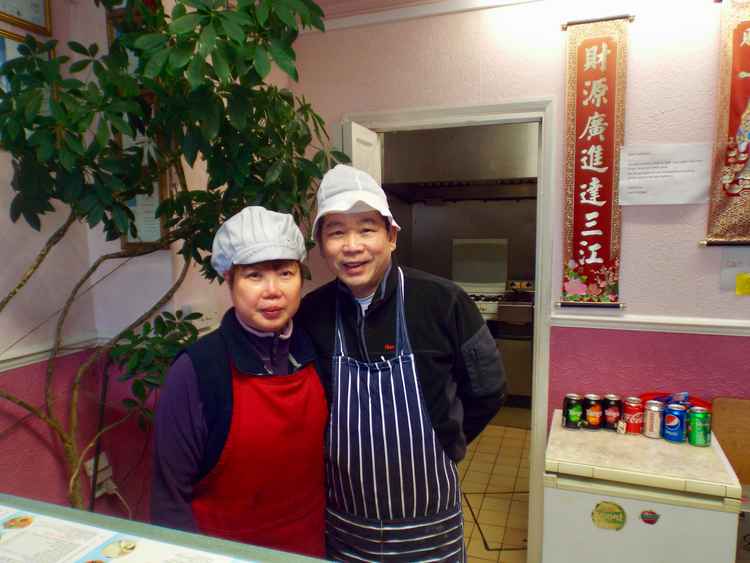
(403, 345)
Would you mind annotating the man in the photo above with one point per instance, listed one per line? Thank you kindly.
(412, 374)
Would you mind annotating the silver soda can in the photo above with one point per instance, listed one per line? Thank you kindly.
(653, 419)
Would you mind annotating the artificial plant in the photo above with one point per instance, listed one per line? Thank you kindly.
(90, 132)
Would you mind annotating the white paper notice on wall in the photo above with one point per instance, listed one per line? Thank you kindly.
(735, 261)
(665, 174)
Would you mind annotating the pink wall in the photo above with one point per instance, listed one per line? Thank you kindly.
(32, 465)
(634, 362)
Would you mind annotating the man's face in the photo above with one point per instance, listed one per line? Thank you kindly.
(266, 295)
(357, 248)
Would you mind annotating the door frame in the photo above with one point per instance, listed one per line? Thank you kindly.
(541, 110)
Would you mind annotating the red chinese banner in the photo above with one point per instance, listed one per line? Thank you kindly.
(595, 101)
(729, 210)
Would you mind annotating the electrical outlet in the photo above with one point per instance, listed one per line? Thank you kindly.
(104, 483)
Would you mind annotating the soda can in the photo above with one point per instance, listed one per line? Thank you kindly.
(699, 427)
(653, 419)
(594, 411)
(633, 415)
(612, 411)
(572, 411)
(675, 423)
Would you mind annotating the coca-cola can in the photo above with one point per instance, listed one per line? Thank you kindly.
(653, 419)
(633, 415)
(612, 411)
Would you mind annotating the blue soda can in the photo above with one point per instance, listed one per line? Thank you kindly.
(675, 423)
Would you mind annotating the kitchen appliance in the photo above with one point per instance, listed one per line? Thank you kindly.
(480, 267)
(623, 498)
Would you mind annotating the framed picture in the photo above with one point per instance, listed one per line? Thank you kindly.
(34, 15)
(150, 228)
(9, 43)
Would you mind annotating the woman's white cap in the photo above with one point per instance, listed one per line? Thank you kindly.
(345, 189)
(254, 235)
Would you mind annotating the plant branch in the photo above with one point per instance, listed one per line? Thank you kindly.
(39, 413)
(91, 444)
(73, 416)
(51, 242)
(146, 249)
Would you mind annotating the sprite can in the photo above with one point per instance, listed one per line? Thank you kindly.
(699, 427)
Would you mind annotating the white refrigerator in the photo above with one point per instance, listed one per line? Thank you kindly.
(625, 498)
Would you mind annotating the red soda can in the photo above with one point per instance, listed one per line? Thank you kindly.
(612, 411)
(633, 415)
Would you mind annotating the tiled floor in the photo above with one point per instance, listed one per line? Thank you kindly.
(495, 481)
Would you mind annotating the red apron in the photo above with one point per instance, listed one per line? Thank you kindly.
(268, 487)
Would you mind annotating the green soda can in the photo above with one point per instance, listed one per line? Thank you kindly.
(699, 427)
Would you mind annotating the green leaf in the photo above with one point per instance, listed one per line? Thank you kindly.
(232, 29)
(67, 159)
(71, 184)
(33, 220)
(121, 125)
(120, 217)
(74, 143)
(178, 11)
(193, 316)
(239, 108)
(284, 57)
(95, 216)
(211, 119)
(130, 403)
(190, 145)
(262, 64)
(285, 15)
(45, 152)
(341, 157)
(139, 389)
(196, 74)
(180, 55)
(32, 109)
(102, 132)
(220, 66)
(187, 23)
(16, 207)
(93, 49)
(160, 326)
(274, 173)
(262, 11)
(207, 40)
(78, 66)
(78, 48)
(156, 63)
(150, 41)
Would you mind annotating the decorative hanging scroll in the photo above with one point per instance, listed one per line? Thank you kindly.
(729, 210)
(595, 114)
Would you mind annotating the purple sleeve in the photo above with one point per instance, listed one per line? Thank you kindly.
(179, 440)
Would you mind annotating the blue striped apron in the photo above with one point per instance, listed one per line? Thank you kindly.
(393, 493)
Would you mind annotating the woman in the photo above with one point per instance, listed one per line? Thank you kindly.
(241, 418)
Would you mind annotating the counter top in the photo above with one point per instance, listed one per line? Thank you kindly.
(158, 538)
(638, 460)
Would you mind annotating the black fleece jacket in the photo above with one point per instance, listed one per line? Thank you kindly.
(458, 364)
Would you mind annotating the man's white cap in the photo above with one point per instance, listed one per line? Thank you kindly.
(254, 235)
(345, 189)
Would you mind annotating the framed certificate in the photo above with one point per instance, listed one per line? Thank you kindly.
(33, 15)
(150, 227)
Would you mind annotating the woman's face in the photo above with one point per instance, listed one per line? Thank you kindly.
(266, 295)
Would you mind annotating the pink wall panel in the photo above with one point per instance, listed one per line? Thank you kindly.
(31, 464)
(632, 362)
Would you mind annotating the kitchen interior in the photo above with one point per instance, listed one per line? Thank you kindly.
(465, 198)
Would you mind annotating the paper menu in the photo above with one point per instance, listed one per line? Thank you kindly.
(132, 549)
(26, 537)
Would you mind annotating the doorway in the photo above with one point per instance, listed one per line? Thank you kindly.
(530, 446)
